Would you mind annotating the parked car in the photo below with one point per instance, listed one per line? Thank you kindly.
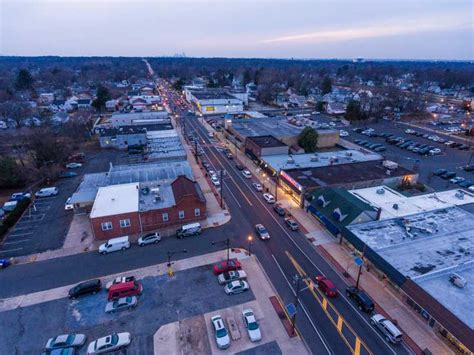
(463, 147)
(65, 341)
(387, 328)
(229, 156)
(439, 172)
(435, 151)
(114, 244)
(257, 186)
(68, 206)
(60, 351)
(279, 210)
(363, 301)
(466, 183)
(47, 192)
(85, 288)
(239, 166)
(119, 280)
(326, 286)
(215, 180)
(251, 324)
(125, 289)
(246, 174)
(18, 196)
(269, 197)
(469, 168)
(291, 223)
(220, 332)
(262, 232)
(121, 303)
(343, 133)
(4, 263)
(189, 230)
(456, 180)
(447, 176)
(73, 165)
(234, 287)
(67, 174)
(230, 276)
(224, 266)
(150, 238)
(113, 342)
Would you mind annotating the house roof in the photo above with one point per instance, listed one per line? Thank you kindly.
(184, 187)
(328, 200)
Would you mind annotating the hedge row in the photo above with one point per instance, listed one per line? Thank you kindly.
(14, 215)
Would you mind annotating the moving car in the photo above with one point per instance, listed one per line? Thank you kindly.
(220, 331)
(269, 197)
(230, 276)
(387, 328)
(246, 174)
(326, 286)
(65, 341)
(224, 266)
(119, 280)
(279, 210)
(113, 342)
(234, 287)
(257, 186)
(47, 192)
(291, 223)
(262, 232)
(363, 301)
(114, 244)
(73, 165)
(251, 324)
(85, 288)
(121, 303)
(68, 206)
(150, 238)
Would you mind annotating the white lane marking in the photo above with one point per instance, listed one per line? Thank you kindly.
(20, 234)
(321, 337)
(16, 242)
(10, 250)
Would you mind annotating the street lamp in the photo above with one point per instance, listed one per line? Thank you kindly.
(250, 238)
(171, 253)
(227, 243)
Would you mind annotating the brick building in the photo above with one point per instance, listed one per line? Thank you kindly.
(134, 208)
(260, 146)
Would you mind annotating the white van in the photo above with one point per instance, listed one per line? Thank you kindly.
(189, 230)
(114, 244)
(47, 191)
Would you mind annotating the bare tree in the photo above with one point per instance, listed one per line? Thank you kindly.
(16, 110)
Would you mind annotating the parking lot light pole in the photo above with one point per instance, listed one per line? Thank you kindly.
(227, 243)
(249, 238)
(171, 253)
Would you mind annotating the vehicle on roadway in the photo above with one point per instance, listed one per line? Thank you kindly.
(363, 301)
(215, 180)
(326, 286)
(85, 288)
(113, 342)
(268, 197)
(150, 238)
(262, 232)
(114, 244)
(220, 332)
(121, 303)
(439, 172)
(224, 266)
(119, 280)
(68, 206)
(279, 210)
(67, 174)
(257, 186)
(239, 166)
(230, 276)
(247, 174)
(234, 287)
(290, 222)
(391, 333)
(73, 165)
(343, 133)
(65, 341)
(251, 324)
(4, 263)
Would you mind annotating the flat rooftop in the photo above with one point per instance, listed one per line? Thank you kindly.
(124, 130)
(340, 174)
(266, 141)
(313, 160)
(393, 204)
(155, 195)
(115, 199)
(213, 95)
(427, 247)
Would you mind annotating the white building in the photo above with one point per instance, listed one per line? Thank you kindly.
(214, 102)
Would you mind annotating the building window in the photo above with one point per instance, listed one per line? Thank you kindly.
(124, 223)
(181, 214)
(165, 217)
(106, 226)
(197, 212)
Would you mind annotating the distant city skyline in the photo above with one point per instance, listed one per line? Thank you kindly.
(418, 29)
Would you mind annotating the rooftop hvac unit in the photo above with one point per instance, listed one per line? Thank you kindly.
(457, 280)
(395, 206)
(314, 157)
(459, 194)
(348, 154)
(290, 160)
(380, 191)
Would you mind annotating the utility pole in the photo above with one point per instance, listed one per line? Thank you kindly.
(276, 185)
(196, 150)
(296, 282)
(227, 243)
(249, 238)
(222, 188)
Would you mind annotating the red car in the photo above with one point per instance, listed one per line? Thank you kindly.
(326, 286)
(224, 266)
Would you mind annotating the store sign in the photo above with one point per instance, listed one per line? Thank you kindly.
(292, 181)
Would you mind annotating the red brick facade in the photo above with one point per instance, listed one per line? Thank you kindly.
(116, 230)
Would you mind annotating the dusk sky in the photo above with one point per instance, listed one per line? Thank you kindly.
(406, 29)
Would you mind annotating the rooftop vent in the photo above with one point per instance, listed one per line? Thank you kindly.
(459, 194)
(290, 160)
(348, 154)
(395, 206)
(380, 191)
(457, 280)
(314, 157)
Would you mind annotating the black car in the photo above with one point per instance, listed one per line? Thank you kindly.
(279, 210)
(85, 288)
(363, 301)
(448, 175)
(239, 167)
(469, 168)
(439, 172)
(463, 147)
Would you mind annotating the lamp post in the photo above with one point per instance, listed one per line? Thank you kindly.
(171, 253)
(249, 238)
(227, 243)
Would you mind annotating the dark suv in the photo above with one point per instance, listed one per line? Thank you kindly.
(361, 298)
(84, 288)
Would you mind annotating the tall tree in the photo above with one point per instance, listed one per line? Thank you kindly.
(24, 80)
(10, 173)
(354, 112)
(16, 110)
(308, 139)
(326, 85)
(102, 96)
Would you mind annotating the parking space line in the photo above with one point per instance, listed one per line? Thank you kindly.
(16, 242)
(19, 234)
(9, 250)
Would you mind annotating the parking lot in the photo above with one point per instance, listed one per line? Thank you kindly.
(449, 158)
(189, 293)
